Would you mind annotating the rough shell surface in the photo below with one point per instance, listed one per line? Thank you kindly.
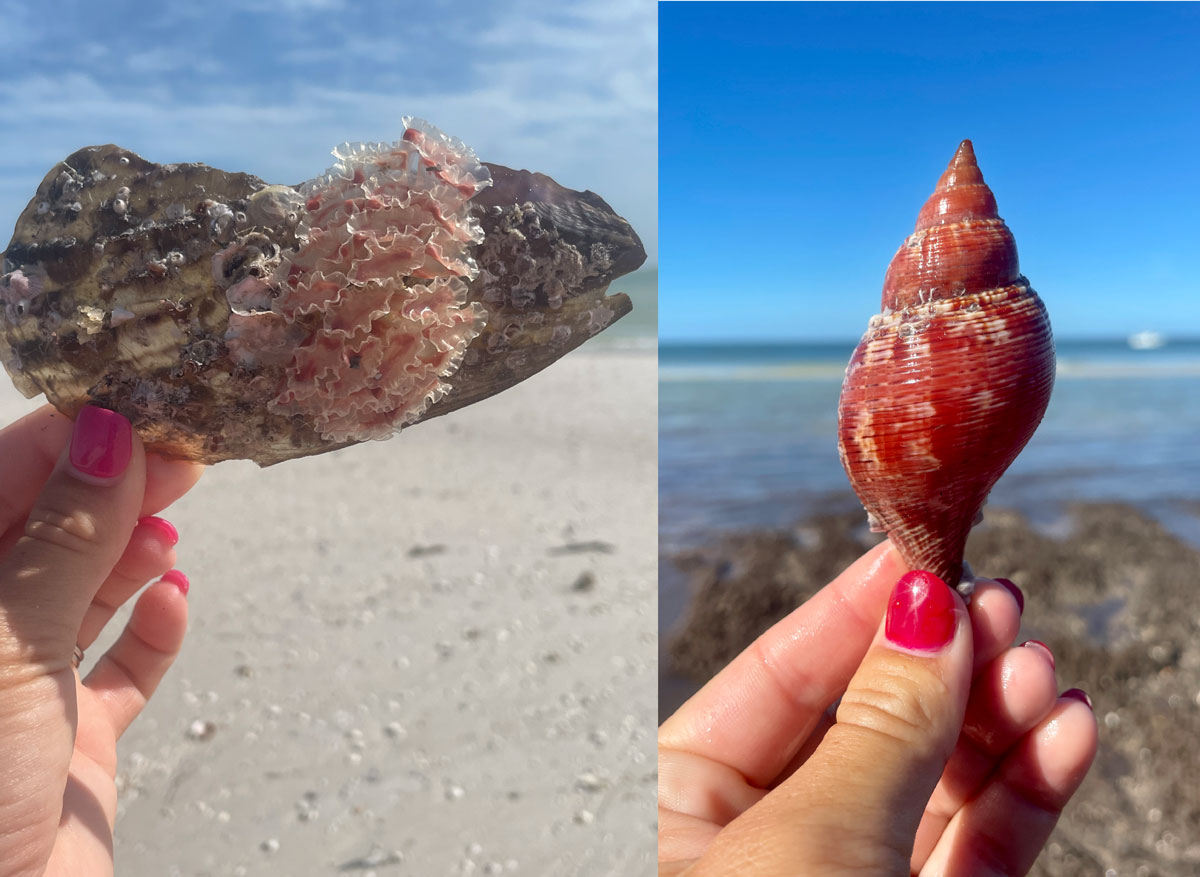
(950, 381)
(228, 318)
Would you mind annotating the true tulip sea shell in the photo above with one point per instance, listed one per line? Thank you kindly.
(950, 380)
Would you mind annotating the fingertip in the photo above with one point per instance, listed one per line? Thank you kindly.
(160, 615)
(161, 529)
(923, 614)
(865, 584)
(1080, 695)
(151, 549)
(178, 471)
(1017, 593)
(995, 619)
(101, 446)
(1067, 745)
(1076, 729)
(1055, 757)
(998, 593)
(178, 579)
(166, 481)
(1041, 648)
(1009, 697)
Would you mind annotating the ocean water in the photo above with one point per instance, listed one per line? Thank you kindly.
(747, 435)
(637, 330)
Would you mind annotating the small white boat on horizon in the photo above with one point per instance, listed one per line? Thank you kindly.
(1147, 340)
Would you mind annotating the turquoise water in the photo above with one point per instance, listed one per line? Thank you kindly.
(747, 435)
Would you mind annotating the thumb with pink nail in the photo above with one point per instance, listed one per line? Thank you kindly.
(884, 727)
(79, 535)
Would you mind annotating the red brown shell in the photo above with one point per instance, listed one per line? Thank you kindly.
(950, 380)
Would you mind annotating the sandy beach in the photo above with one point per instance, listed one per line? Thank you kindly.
(1109, 589)
(433, 655)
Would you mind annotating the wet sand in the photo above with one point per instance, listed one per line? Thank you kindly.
(433, 655)
(1112, 593)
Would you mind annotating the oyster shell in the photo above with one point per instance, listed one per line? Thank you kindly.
(228, 318)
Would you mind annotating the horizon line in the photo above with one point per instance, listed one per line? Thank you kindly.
(732, 340)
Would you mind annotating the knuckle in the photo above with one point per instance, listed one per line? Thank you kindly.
(896, 703)
(75, 530)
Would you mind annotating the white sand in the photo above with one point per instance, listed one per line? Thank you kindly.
(486, 707)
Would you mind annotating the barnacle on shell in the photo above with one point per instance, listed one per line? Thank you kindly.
(228, 318)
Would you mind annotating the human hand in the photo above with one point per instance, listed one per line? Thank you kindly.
(76, 542)
(955, 759)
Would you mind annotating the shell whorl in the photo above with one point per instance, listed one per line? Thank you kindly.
(960, 245)
(950, 380)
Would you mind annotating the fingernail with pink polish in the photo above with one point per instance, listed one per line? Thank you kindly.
(162, 526)
(921, 613)
(101, 443)
(1039, 646)
(178, 579)
(1080, 695)
(1015, 591)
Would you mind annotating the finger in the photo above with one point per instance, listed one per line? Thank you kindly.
(681, 840)
(754, 714)
(995, 613)
(128, 673)
(75, 532)
(29, 450)
(695, 787)
(149, 554)
(166, 481)
(1002, 830)
(1008, 699)
(856, 803)
(702, 787)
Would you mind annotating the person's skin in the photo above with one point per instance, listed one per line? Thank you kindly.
(953, 759)
(77, 542)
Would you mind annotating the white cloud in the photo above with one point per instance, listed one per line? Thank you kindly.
(571, 92)
(166, 60)
(293, 7)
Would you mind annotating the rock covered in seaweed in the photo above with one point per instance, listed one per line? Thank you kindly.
(228, 318)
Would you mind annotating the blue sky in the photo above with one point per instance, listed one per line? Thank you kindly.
(798, 142)
(270, 86)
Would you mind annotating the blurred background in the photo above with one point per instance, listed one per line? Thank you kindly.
(798, 142)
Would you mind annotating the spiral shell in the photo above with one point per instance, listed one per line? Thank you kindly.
(952, 378)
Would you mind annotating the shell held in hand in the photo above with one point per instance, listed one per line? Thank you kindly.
(228, 318)
(952, 378)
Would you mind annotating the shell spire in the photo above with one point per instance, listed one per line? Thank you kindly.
(950, 380)
(960, 245)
